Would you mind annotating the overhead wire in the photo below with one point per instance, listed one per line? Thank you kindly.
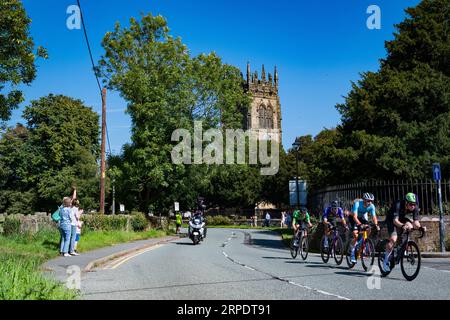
(93, 66)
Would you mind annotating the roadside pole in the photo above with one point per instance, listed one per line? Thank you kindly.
(437, 178)
(441, 219)
(103, 160)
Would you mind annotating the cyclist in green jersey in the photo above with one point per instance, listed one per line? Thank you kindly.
(300, 221)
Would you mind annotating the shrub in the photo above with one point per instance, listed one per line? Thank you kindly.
(139, 222)
(219, 221)
(11, 226)
(21, 280)
(98, 222)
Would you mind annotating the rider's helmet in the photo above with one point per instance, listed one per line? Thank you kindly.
(303, 210)
(411, 198)
(334, 204)
(368, 196)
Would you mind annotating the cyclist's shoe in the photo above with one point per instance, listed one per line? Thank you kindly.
(386, 267)
(352, 257)
(296, 243)
(325, 244)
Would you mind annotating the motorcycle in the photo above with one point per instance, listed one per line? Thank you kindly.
(197, 229)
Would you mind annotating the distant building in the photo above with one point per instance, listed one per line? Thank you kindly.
(264, 114)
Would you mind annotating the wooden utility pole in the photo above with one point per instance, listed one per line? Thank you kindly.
(103, 157)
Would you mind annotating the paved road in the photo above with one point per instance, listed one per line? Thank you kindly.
(251, 264)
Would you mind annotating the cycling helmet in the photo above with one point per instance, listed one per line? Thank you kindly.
(368, 196)
(411, 197)
(303, 210)
(334, 204)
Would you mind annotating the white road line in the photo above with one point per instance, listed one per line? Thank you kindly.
(123, 260)
(288, 281)
(446, 271)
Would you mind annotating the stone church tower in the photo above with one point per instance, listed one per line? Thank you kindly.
(264, 115)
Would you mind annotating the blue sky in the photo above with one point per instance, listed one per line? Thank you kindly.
(318, 46)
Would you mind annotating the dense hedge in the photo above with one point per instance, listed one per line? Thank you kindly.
(11, 226)
(219, 221)
(135, 222)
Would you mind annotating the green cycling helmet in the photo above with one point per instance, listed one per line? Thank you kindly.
(411, 197)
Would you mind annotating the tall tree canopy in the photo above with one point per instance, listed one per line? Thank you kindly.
(17, 57)
(57, 149)
(167, 89)
(396, 121)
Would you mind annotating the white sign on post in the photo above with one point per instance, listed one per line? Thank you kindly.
(177, 206)
(122, 208)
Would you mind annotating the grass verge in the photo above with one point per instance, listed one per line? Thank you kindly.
(21, 258)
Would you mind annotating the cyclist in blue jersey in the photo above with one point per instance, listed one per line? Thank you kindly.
(359, 216)
(329, 217)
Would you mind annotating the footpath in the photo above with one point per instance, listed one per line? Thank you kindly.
(58, 268)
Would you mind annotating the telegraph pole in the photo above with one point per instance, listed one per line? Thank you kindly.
(114, 197)
(103, 156)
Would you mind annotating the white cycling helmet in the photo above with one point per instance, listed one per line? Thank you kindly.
(368, 196)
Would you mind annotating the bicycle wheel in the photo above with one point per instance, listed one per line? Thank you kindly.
(368, 254)
(338, 251)
(304, 247)
(348, 252)
(381, 260)
(294, 249)
(410, 261)
(324, 252)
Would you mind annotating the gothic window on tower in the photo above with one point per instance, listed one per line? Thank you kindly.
(249, 120)
(262, 116)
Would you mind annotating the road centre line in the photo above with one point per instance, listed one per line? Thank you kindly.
(284, 280)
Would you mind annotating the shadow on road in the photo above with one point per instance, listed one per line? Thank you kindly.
(280, 258)
(267, 243)
(183, 243)
(359, 274)
(177, 286)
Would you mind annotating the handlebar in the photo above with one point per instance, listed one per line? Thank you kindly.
(422, 231)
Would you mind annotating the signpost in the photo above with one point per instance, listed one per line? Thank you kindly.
(122, 208)
(177, 206)
(437, 178)
(297, 195)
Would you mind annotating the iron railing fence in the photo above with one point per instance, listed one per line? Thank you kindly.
(386, 192)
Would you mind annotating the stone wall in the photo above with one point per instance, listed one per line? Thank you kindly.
(429, 243)
(41, 220)
(29, 223)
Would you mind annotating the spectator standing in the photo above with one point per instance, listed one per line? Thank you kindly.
(267, 220)
(283, 219)
(179, 221)
(65, 226)
(73, 225)
(79, 225)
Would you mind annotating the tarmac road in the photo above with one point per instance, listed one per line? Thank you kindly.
(252, 265)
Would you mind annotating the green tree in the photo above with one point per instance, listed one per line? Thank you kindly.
(56, 150)
(166, 89)
(396, 122)
(17, 59)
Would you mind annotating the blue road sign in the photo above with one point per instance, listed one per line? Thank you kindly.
(437, 171)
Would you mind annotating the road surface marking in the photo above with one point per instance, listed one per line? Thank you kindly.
(447, 271)
(127, 258)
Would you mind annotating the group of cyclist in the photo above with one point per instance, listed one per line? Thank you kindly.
(397, 220)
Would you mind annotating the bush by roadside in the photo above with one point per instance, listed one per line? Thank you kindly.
(22, 255)
(219, 221)
(20, 259)
(137, 221)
